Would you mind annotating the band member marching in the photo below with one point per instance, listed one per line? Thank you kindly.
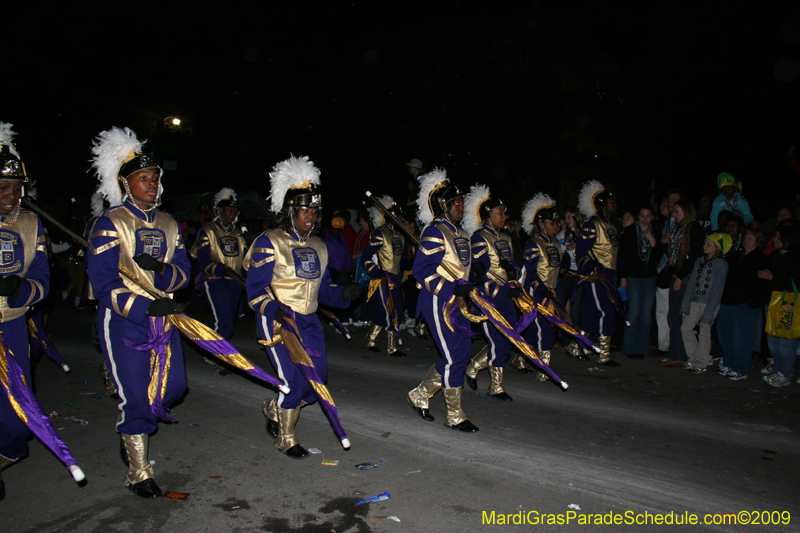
(444, 252)
(288, 277)
(596, 254)
(24, 281)
(220, 249)
(542, 266)
(134, 235)
(385, 259)
(493, 264)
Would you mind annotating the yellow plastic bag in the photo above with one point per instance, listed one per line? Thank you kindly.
(782, 314)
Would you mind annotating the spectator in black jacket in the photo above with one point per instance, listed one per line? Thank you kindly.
(743, 298)
(640, 254)
(683, 248)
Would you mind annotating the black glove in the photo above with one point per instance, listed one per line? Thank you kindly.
(514, 292)
(353, 291)
(506, 265)
(479, 269)
(163, 307)
(550, 293)
(281, 315)
(378, 274)
(148, 262)
(462, 290)
(9, 284)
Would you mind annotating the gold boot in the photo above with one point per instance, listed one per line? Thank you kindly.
(604, 342)
(111, 388)
(456, 418)
(544, 355)
(476, 364)
(575, 351)
(520, 363)
(270, 410)
(139, 477)
(496, 388)
(392, 343)
(419, 398)
(287, 439)
(421, 329)
(372, 334)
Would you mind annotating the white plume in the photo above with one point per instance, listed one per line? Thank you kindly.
(427, 184)
(7, 138)
(540, 201)
(586, 198)
(111, 150)
(293, 173)
(224, 193)
(97, 204)
(472, 204)
(376, 216)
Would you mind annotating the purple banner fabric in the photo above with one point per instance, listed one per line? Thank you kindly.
(505, 328)
(37, 421)
(37, 332)
(336, 321)
(160, 336)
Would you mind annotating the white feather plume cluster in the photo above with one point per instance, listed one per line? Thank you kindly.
(586, 198)
(7, 138)
(225, 192)
(428, 183)
(472, 205)
(534, 205)
(293, 173)
(376, 216)
(97, 204)
(111, 150)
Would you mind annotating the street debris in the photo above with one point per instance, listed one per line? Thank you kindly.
(380, 497)
(330, 462)
(314, 450)
(374, 464)
(574, 506)
(170, 495)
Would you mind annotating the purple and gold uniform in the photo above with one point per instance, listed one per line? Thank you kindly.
(384, 256)
(542, 265)
(117, 236)
(597, 249)
(22, 253)
(220, 251)
(285, 269)
(490, 246)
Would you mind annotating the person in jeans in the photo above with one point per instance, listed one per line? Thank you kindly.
(787, 268)
(683, 247)
(640, 252)
(744, 296)
(701, 300)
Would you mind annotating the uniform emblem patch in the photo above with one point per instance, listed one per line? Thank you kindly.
(151, 242)
(462, 247)
(306, 263)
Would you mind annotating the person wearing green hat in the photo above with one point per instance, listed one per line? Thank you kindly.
(701, 300)
(730, 199)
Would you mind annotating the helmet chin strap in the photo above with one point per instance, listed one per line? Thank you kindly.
(135, 202)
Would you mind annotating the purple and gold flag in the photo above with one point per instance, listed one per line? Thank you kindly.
(30, 411)
(301, 355)
(37, 333)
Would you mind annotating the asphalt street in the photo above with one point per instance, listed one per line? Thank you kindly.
(636, 443)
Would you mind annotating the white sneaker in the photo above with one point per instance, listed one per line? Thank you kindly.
(735, 376)
(710, 361)
(359, 323)
(724, 370)
(64, 294)
(778, 380)
(687, 366)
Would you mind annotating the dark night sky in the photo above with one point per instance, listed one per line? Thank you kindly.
(524, 96)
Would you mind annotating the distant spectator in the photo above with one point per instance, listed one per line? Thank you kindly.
(731, 199)
(743, 298)
(340, 262)
(704, 213)
(684, 247)
(640, 254)
(733, 227)
(701, 300)
(785, 269)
